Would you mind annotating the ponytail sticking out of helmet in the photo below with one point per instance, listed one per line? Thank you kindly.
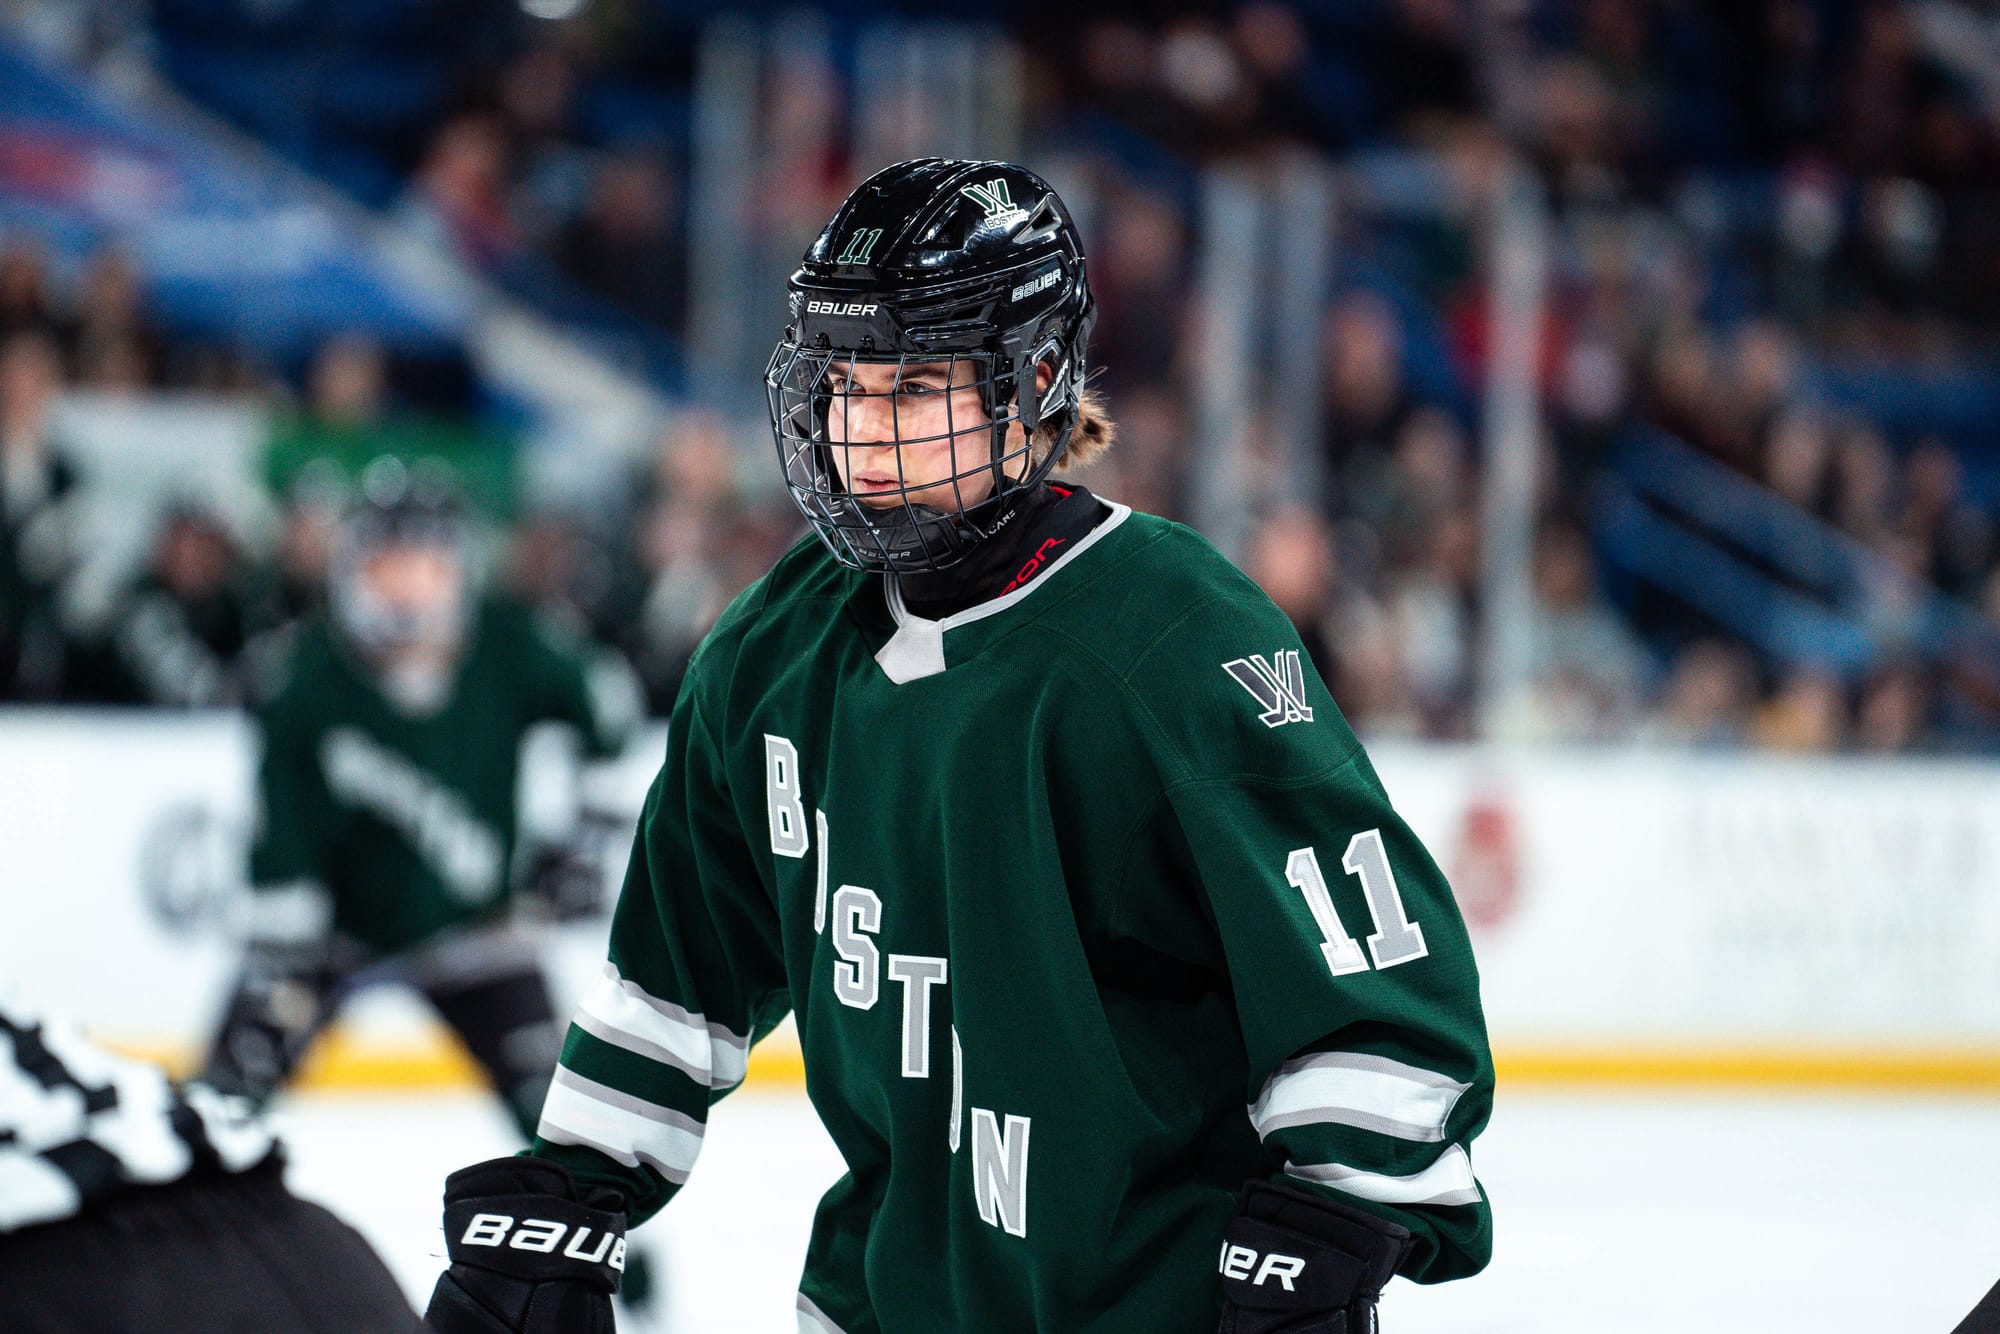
(975, 268)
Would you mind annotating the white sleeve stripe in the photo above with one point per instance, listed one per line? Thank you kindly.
(812, 1320)
(627, 1129)
(1449, 1180)
(33, 1191)
(708, 1053)
(1355, 1089)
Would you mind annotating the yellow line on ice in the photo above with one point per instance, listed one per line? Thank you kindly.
(340, 1061)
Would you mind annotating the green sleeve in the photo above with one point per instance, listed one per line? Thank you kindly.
(1356, 991)
(695, 976)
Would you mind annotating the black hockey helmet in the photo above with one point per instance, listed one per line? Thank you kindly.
(976, 265)
(399, 505)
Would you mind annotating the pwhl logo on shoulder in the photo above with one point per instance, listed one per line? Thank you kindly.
(1278, 686)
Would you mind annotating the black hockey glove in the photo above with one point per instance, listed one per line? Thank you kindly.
(1297, 1263)
(528, 1255)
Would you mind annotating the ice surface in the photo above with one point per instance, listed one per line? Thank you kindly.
(1614, 1213)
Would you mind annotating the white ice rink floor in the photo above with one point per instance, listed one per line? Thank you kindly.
(1614, 1213)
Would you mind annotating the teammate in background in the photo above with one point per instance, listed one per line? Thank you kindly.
(385, 841)
(1112, 963)
(127, 1203)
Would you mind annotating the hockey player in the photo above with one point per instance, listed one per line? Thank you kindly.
(1128, 998)
(384, 846)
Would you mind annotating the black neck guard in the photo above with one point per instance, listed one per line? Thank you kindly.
(1045, 525)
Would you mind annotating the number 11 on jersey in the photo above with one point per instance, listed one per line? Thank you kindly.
(1396, 940)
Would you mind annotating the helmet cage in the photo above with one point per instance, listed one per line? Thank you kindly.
(364, 619)
(892, 531)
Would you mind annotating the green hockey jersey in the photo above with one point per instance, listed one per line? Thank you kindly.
(1090, 908)
(406, 821)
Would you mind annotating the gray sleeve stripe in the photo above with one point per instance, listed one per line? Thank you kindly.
(1364, 1061)
(626, 1102)
(1447, 1181)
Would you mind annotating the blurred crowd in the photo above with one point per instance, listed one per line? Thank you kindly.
(513, 180)
(1773, 231)
(203, 618)
(1768, 220)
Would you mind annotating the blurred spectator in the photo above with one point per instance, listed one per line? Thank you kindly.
(1587, 672)
(458, 198)
(1893, 715)
(625, 245)
(1797, 463)
(1686, 375)
(805, 173)
(537, 99)
(1402, 495)
(24, 300)
(1864, 481)
(1425, 64)
(38, 498)
(1956, 535)
(1434, 609)
(1273, 47)
(1708, 698)
(349, 384)
(114, 345)
(1807, 714)
(1762, 377)
(561, 562)
(1367, 399)
(682, 544)
(1292, 560)
(1146, 470)
(1580, 129)
(1139, 277)
(177, 635)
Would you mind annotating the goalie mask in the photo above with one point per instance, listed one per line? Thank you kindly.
(400, 578)
(905, 397)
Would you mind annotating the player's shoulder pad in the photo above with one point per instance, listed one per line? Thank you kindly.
(1227, 687)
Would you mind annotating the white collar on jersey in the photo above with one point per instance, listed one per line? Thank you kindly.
(916, 650)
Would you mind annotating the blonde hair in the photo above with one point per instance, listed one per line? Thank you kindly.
(1089, 441)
